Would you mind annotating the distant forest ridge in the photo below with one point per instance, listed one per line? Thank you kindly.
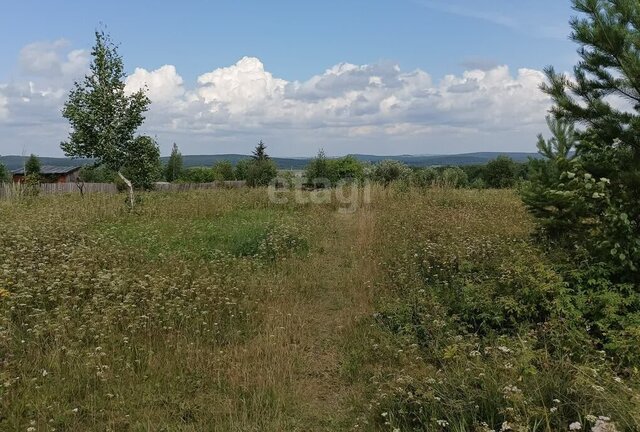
(15, 162)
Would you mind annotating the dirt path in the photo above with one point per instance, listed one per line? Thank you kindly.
(296, 360)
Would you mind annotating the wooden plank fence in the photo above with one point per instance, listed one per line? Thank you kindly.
(181, 187)
(8, 190)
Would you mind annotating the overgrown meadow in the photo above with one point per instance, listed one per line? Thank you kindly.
(426, 309)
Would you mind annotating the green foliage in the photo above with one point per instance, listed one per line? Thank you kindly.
(501, 173)
(476, 330)
(198, 175)
(562, 141)
(587, 202)
(424, 177)
(241, 170)
(223, 170)
(261, 169)
(142, 165)
(32, 184)
(5, 175)
(596, 195)
(97, 174)
(32, 166)
(388, 171)
(260, 152)
(347, 168)
(175, 165)
(261, 172)
(452, 177)
(104, 118)
(322, 171)
(289, 179)
(319, 172)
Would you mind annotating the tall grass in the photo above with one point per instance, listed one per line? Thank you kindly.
(220, 310)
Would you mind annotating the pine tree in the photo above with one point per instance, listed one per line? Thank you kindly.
(260, 152)
(175, 165)
(603, 99)
(32, 167)
(261, 170)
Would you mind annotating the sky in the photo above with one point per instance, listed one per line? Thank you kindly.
(349, 76)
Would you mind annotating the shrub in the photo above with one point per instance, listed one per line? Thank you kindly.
(320, 172)
(4, 173)
(241, 170)
(452, 177)
(261, 172)
(424, 177)
(500, 173)
(198, 175)
(388, 171)
(223, 170)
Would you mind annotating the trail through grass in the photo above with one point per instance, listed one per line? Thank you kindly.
(220, 311)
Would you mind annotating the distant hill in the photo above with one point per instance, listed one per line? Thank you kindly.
(15, 162)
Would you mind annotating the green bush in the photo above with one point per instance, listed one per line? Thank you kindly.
(261, 172)
(501, 173)
(4, 173)
(223, 170)
(198, 175)
(452, 177)
(388, 171)
(424, 177)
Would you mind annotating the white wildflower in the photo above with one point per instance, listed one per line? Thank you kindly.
(575, 426)
(506, 427)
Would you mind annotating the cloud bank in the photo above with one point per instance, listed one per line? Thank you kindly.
(375, 108)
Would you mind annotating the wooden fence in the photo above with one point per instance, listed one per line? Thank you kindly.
(8, 190)
(181, 187)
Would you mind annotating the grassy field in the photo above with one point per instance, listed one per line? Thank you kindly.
(221, 311)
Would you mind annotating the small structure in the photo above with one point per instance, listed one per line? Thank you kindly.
(51, 174)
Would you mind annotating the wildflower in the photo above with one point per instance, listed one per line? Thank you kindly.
(442, 423)
(575, 426)
(44, 372)
(506, 427)
(591, 418)
(384, 414)
(553, 409)
(504, 349)
(603, 425)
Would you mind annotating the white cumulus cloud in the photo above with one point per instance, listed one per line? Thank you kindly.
(347, 108)
(239, 88)
(163, 85)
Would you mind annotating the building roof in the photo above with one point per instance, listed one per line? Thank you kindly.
(51, 170)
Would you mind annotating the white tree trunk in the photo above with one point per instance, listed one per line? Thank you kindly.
(130, 186)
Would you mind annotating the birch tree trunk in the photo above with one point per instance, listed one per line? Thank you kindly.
(130, 186)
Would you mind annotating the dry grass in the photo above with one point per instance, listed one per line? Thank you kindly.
(220, 311)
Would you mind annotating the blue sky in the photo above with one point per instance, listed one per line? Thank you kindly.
(292, 47)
